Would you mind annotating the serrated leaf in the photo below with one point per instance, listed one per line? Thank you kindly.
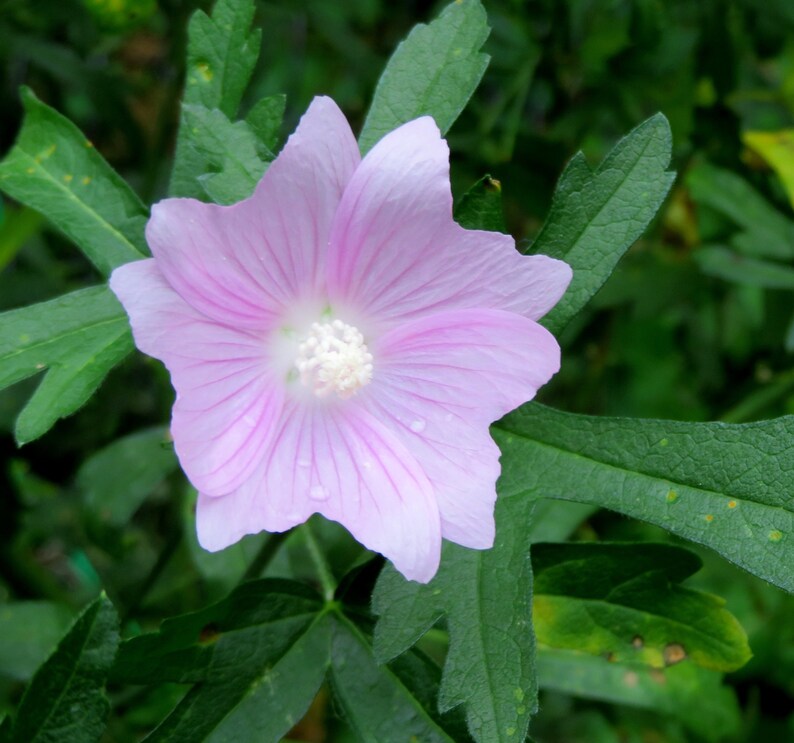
(375, 700)
(230, 151)
(265, 118)
(624, 601)
(221, 54)
(726, 486)
(434, 72)
(77, 338)
(481, 207)
(65, 702)
(54, 169)
(724, 263)
(685, 692)
(597, 215)
(257, 658)
(768, 234)
(486, 598)
(116, 480)
(29, 632)
(262, 706)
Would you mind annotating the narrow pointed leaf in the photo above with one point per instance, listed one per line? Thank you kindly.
(597, 215)
(486, 598)
(65, 702)
(624, 601)
(54, 169)
(726, 486)
(77, 338)
(434, 72)
(376, 702)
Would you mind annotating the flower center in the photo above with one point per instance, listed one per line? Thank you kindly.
(334, 358)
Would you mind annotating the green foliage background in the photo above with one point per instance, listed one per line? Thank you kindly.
(696, 323)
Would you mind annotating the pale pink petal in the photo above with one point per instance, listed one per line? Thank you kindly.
(339, 461)
(439, 382)
(227, 401)
(397, 254)
(244, 264)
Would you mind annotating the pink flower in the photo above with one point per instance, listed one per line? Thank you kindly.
(339, 345)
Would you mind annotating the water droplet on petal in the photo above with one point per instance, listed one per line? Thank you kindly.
(318, 492)
(417, 426)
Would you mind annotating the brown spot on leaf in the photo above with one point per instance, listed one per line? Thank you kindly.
(674, 653)
(209, 634)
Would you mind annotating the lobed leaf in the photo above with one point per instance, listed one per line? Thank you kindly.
(685, 692)
(486, 598)
(54, 169)
(377, 702)
(624, 601)
(222, 52)
(726, 486)
(596, 215)
(77, 338)
(230, 150)
(65, 702)
(434, 71)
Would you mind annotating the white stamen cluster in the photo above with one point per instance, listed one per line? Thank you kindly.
(334, 358)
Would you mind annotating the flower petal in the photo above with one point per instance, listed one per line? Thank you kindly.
(244, 264)
(336, 460)
(227, 402)
(396, 252)
(439, 383)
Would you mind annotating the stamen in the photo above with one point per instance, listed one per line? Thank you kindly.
(334, 358)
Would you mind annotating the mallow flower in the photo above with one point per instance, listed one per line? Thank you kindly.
(339, 345)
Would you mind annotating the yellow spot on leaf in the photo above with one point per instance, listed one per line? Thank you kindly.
(510, 731)
(68, 178)
(47, 153)
(518, 694)
(775, 535)
(709, 517)
(86, 180)
(31, 170)
(732, 504)
(89, 144)
(205, 71)
(672, 496)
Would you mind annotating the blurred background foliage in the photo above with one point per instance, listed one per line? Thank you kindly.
(697, 323)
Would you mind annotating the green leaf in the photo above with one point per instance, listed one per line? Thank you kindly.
(29, 632)
(596, 215)
(768, 234)
(257, 657)
(486, 598)
(690, 694)
(230, 151)
(376, 701)
(115, 481)
(54, 169)
(65, 702)
(434, 71)
(724, 263)
(625, 601)
(777, 149)
(221, 54)
(222, 51)
(481, 207)
(723, 485)
(77, 338)
(265, 118)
